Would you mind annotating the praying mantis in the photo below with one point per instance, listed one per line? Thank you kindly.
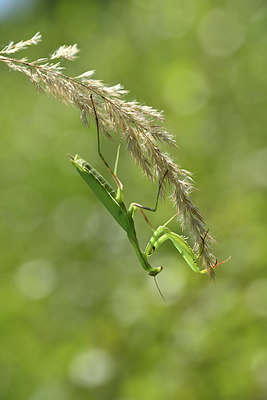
(113, 201)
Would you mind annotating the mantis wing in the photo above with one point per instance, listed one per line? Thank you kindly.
(102, 189)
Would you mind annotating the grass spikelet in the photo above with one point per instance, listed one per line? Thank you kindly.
(139, 125)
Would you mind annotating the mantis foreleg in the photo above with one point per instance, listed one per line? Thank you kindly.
(161, 234)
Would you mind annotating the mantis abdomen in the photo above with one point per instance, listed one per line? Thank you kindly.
(98, 177)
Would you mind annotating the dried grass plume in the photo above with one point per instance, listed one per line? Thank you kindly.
(139, 125)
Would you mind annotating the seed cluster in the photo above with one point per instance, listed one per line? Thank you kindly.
(139, 126)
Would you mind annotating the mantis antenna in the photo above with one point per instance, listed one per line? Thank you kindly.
(160, 292)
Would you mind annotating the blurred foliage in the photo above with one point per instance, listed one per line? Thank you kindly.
(79, 317)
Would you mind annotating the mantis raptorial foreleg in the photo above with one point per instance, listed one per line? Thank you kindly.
(161, 234)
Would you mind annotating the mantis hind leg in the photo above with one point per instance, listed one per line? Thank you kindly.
(135, 206)
(113, 174)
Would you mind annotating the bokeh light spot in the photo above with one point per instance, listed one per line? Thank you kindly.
(167, 23)
(9, 7)
(172, 280)
(259, 369)
(92, 368)
(21, 208)
(36, 279)
(128, 308)
(250, 86)
(254, 168)
(186, 90)
(220, 33)
(72, 219)
(257, 297)
(51, 391)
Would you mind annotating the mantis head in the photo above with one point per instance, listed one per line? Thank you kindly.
(77, 160)
(155, 271)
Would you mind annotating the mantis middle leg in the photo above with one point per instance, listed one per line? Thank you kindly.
(135, 206)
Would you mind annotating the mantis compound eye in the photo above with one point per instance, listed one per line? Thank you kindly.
(155, 271)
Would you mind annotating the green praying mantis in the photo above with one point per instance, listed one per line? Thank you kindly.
(113, 201)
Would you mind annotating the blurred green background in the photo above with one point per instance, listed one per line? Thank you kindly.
(79, 317)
